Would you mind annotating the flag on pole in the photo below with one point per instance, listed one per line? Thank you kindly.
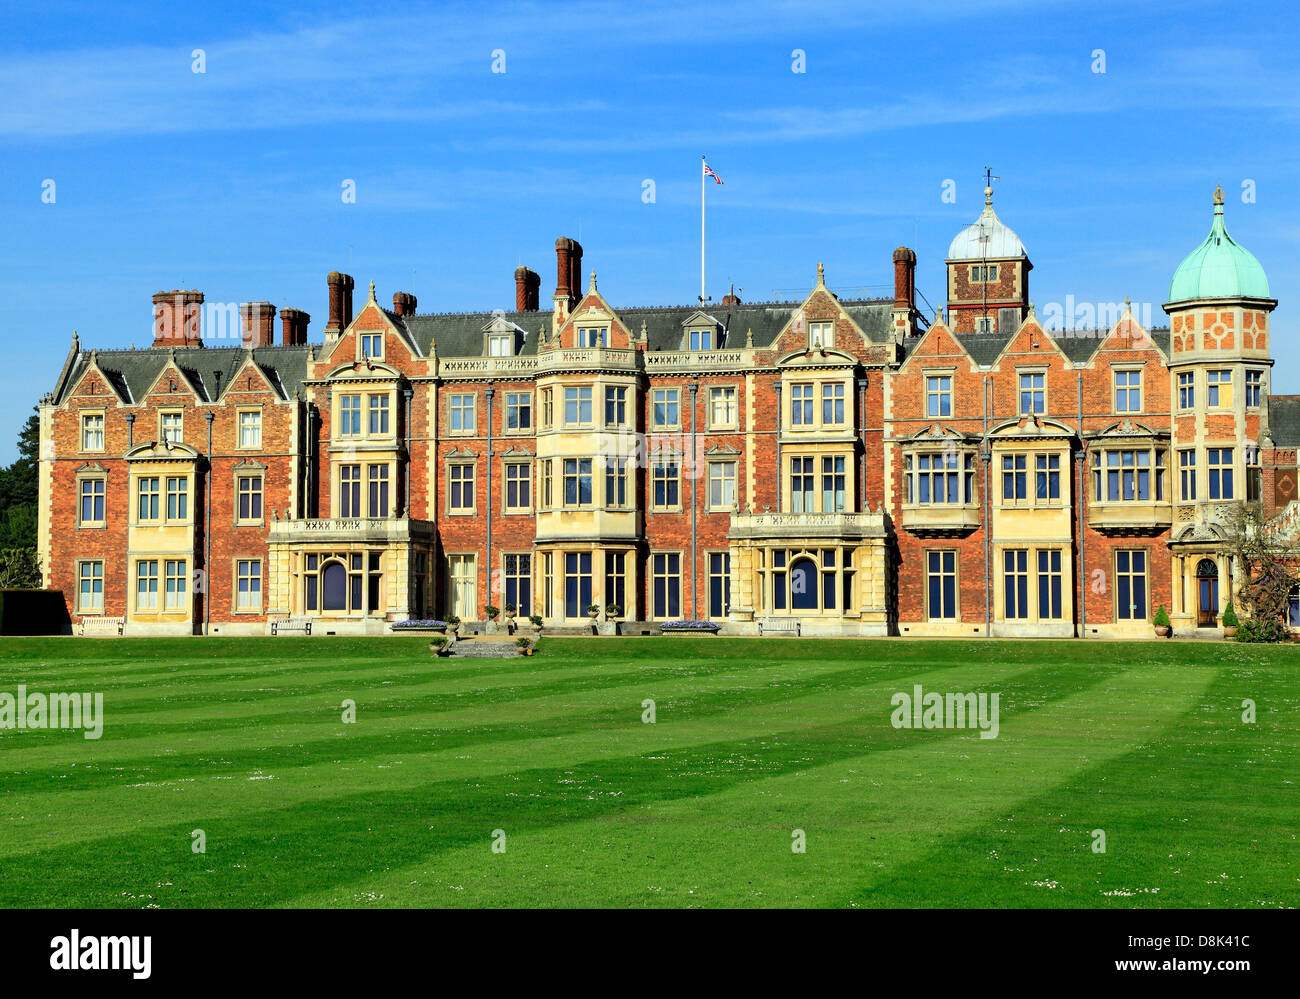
(708, 172)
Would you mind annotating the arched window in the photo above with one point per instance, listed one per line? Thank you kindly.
(1206, 567)
(334, 586)
(803, 585)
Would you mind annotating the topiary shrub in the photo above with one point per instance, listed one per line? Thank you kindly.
(1230, 617)
(1162, 617)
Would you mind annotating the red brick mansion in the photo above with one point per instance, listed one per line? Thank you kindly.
(842, 463)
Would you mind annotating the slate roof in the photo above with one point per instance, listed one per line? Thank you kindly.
(461, 334)
(207, 369)
(1284, 420)
(1077, 345)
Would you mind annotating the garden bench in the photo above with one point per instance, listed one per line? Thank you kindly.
(290, 625)
(779, 626)
(102, 625)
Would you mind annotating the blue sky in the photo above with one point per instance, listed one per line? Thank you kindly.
(230, 181)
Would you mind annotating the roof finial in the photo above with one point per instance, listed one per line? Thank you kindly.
(989, 178)
(749, 338)
(592, 288)
(372, 291)
(821, 274)
(1218, 195)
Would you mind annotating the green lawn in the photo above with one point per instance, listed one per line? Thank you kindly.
(754, 738)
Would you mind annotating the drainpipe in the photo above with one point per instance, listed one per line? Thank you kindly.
(779, 417)
(986, 453)
(130, 430)
(310, 506)
(490, 393)
(862, 416)
(207, 533)
(407, 393)
(1078, 513)
(695, 480)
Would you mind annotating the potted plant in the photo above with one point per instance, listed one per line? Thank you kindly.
(536, 621)
(453, 624)
(511, 610)
(492, 612)
(608, 626)
(593, 611)
(524, 645)
(1161, 621)
(1230, 622)
(436, 645)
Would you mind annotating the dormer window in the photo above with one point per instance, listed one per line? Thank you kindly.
(821, 334)
(703, 339)
(592, 336)
(372, 345)
(501, 346)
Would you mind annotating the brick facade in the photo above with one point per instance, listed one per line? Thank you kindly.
(842, 462)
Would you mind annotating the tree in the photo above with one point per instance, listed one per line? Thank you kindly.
(1268, 558)
(20, 569)
(19, 491)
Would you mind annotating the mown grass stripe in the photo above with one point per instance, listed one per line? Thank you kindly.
(675, 768)
(856, 810)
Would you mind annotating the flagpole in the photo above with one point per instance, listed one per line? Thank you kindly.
(702, 178)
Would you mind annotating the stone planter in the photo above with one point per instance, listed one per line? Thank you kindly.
(693, 631)
(1162, 630)
(1229, 631)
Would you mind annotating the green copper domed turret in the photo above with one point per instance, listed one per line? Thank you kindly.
(1219, 267)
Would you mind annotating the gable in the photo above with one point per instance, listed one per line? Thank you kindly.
(935, 343)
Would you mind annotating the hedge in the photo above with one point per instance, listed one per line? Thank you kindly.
(34, 612)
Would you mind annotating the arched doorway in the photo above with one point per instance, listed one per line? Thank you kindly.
(1207, 593)
(803, 585)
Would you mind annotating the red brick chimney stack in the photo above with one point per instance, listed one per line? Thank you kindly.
(528, 286)
(563, 267)
(575, 269)
(904, 278)
(257, 324)
(404, 303)
(293, 327)
(178, 319)
(340, 286)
